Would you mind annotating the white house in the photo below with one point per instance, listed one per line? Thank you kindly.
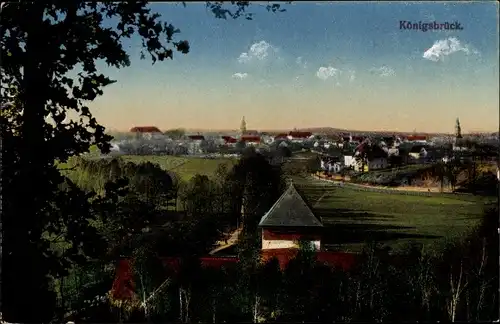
(417, 152)
(349, 161)
(377, 160)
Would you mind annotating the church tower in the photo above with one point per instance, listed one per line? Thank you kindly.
(243, 126)
(458, 129)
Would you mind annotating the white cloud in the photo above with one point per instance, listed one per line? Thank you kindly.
(240, 75)
(445, 47)
(244, 58)
(383, 71)
(258, 51)
(325, 73)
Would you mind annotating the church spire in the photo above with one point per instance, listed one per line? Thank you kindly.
(243, 126)
(458, 129)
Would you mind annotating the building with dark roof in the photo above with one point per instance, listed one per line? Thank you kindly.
(288, 221)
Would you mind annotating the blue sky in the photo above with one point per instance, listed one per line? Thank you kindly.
(345, 65)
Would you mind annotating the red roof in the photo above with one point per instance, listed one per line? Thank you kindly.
(196, 137)
(416, 137)
(250, 138)
(229, 139)
(145, 129)
(300, 134)
(281, 135)
(344, 261)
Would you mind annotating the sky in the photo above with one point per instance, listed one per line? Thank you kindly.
(348, 65)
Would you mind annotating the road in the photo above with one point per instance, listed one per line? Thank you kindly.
(231, 241)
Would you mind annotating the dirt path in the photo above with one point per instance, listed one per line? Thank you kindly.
(231, 241)
(320, 198)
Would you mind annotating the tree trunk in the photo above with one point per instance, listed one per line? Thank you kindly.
(482, 283)
(181, 306)
(214, 309)
(22, 270)
(187, 298)
(456, 291)
(144, 299)
(255, 310)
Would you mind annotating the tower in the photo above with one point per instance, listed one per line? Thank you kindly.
(458, 129)
(243, 126)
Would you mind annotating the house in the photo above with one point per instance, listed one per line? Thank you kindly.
(350, 161)
(281, 136)
(376, 157)
(296, 136)
(229, 140)
(250, 139)
(417, 138)
(331, 166)
(194, 145)
(265, 138)
(417, 152)
(288, 221)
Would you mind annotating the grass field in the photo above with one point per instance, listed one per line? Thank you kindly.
(352, 217)
(184, 167)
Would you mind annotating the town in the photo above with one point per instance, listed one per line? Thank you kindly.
(339, 151)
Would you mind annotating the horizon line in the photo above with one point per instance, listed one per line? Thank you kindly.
(208, 130)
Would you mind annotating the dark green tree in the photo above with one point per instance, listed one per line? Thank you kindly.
(314, 164)
(176, 133)
(41, 44)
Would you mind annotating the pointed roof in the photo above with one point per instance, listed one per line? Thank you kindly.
(290, 210)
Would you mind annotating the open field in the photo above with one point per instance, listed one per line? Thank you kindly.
(185, 167)
(352, 217)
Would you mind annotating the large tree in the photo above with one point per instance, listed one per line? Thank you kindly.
(48, 73)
